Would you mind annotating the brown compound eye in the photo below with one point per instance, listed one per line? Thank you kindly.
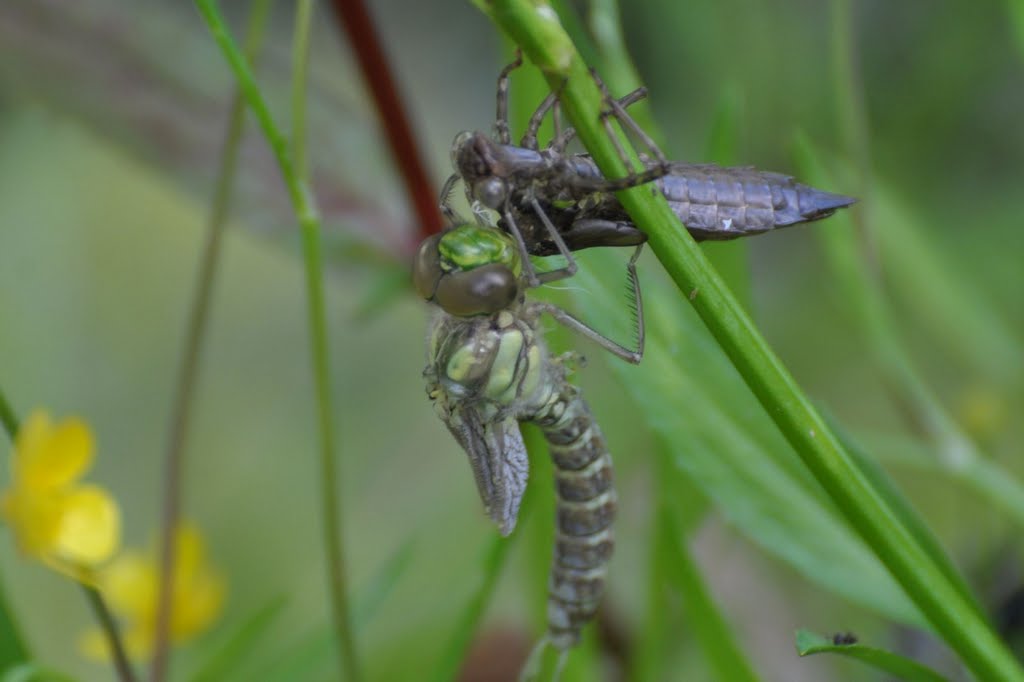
(426, 267)
(481, 291)
(491, 192)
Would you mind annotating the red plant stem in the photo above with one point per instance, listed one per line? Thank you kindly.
(354, 20)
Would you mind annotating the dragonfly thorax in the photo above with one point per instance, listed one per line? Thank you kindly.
(469, 270)
(496, 360)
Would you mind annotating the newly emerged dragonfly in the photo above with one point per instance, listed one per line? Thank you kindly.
(488, 370)
(553, 202)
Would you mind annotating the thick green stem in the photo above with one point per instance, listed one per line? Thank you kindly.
(535, 27)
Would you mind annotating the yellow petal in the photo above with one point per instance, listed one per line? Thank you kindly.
(48, 455)
(190, 553)
(93, 644)
(90, 528)
(129, 584)
(198, 604)
(34, 518)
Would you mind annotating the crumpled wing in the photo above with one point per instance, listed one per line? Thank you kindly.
(498, 457)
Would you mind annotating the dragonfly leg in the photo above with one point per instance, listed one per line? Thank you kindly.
(447, 212)
(501, 127)
(531, 668)
(573, 323)
(524, 253)
(562, 139)
(533, 127)
(618, 110)
(556, 121)
(570, 267)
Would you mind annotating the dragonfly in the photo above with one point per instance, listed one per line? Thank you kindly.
(489, 370)
(552, 202)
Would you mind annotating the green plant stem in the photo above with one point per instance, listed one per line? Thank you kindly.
(535, 27)
(195, 335)
(99, 608)
(309, 226)
(109, 627)
(300, 76)
(7, 417)
(12, 644)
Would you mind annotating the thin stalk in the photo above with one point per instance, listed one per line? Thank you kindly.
(535, 27)
(195, 335)
(7, 418)
(92, 595)
(309, 225)
(109, 627)
(355, 22)
(12, 647)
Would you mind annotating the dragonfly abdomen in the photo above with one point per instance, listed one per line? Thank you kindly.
(585, 510)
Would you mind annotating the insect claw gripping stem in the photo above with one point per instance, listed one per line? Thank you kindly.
(529, 140)
(501, 125)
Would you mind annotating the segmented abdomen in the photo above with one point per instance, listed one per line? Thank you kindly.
(716, 202)
(713, 202)
(585, 510)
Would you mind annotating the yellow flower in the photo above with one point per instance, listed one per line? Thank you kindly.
(68, 525)
(131, 585)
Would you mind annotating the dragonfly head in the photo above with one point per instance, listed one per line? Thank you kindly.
(468, 270)
(476, 159)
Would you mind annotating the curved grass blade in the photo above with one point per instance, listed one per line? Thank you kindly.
(907, 670)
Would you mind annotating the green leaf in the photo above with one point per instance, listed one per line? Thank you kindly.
(907, 670)
(714, 431)
(12, 647)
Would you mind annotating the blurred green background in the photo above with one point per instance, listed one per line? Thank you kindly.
(111, 120)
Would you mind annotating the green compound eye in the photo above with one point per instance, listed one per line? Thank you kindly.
(470, 246)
